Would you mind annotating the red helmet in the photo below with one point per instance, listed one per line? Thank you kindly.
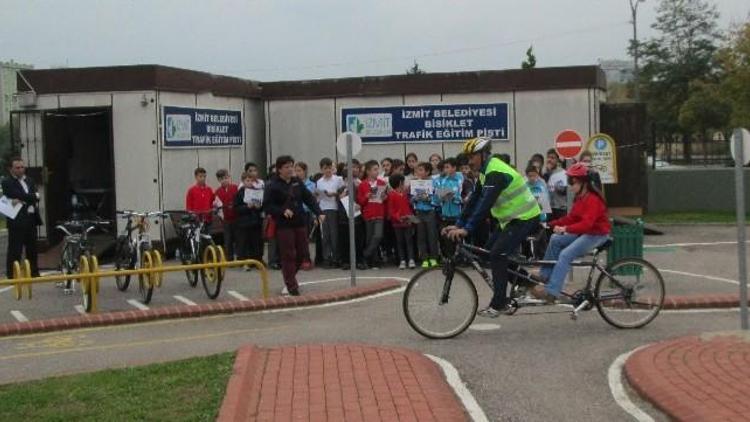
(578, 170)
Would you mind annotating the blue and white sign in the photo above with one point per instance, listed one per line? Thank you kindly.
(199, 127)
(445, 122)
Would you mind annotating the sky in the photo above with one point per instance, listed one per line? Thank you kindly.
(268, 40)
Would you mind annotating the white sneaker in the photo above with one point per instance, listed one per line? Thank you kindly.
(402, 265)
(412, 264)
(285, 291)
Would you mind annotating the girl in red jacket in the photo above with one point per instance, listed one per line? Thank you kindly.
(371, 196)
(584, 228)
(400, 214)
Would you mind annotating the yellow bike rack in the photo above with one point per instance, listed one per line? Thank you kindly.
(89, 275)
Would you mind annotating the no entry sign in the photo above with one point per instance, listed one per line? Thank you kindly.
(568, 143)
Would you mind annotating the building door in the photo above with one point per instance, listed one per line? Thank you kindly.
(78, 161)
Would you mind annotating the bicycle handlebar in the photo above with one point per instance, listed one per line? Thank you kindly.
(148, 214)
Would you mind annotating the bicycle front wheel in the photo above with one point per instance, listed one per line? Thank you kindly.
(187, 258)
(211, 278)
(440, 305)
(630, 294)
(124, 260)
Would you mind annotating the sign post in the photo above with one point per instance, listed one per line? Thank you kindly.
(741, 154)
(568, 144)
(350, 144)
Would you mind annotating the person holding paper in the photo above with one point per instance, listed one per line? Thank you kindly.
(328, 188)
(22, 230)
(447, 198)
(370, 196)
(248, 205)
(422, 190)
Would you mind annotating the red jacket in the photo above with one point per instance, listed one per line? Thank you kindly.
(371, 210)
(398, 206)
(199, 199)
(588, 216)
(226, 196)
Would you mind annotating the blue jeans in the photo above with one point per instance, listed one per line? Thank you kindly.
(565, 248)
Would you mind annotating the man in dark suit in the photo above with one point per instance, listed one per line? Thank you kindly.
(22, 229)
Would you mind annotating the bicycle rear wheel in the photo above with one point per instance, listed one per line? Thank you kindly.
(631, 295)
(439, 304)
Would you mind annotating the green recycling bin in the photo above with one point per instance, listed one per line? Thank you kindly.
(627, 241)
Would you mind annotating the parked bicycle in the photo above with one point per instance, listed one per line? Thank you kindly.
(194, 238)
(75, 245)
(134, 249)
(441, 303)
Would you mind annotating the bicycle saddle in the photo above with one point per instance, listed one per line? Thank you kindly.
(604, 246)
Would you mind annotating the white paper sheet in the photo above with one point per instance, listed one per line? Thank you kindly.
(253, 196)
(345, 203)
(421, 187)
(8, 209)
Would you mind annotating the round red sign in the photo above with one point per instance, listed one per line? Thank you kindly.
(568, 143)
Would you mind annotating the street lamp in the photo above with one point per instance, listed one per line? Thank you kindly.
(634, 20)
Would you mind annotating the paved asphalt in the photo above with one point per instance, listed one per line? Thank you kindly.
(538, 366)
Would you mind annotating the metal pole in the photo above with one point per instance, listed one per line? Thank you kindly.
(350, 187)
(739, 184)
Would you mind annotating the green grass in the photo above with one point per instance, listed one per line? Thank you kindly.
(692, 217)
(187, 390)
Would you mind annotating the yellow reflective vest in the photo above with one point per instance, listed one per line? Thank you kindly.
(516, 201)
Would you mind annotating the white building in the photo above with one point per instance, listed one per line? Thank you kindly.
(115, 132)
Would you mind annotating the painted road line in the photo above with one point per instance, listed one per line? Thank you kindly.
(484, 327)
(19, 316)
(451, 375)
(707, 277)
(237, 295)
(619, 393)
(80, 310)
(682, 245)
(5, 289)
(185, 300)
(134, 303)
(328, 280)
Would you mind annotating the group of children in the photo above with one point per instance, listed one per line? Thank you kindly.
(399, 210)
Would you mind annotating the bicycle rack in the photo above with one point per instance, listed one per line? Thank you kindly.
(89, 274)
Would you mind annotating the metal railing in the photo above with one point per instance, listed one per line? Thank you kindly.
(89, 274)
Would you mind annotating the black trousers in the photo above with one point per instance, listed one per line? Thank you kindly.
(249, 242)
(503, 243)
(21, 238)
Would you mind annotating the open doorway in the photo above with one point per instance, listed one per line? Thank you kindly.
(78, 166)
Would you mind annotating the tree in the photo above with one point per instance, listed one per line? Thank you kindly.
(705, 109)
(681, 54)
(734, 65)
(530, 61)
(415, 70)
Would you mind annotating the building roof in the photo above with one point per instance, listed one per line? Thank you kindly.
(445, 83)
(134, 78)
(150, 77)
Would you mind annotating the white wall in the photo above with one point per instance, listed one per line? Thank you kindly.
(136, 153)
(534, 118)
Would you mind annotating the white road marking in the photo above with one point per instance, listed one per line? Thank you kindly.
(237, 295)
(708, 277)
(484, 327)
(184, 300)
(454, 380)
(19, 316)
(617, 388)
(328, 280)
(134, 303)
(80, 310)
(5, 289)
(678, 245)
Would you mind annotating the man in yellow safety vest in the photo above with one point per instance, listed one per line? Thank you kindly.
(503, 193)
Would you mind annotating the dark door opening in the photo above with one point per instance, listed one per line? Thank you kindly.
(78, 161)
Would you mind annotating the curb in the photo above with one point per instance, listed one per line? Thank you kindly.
(190, 311)
(327, 382)
(725, 300)
(694, 378)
